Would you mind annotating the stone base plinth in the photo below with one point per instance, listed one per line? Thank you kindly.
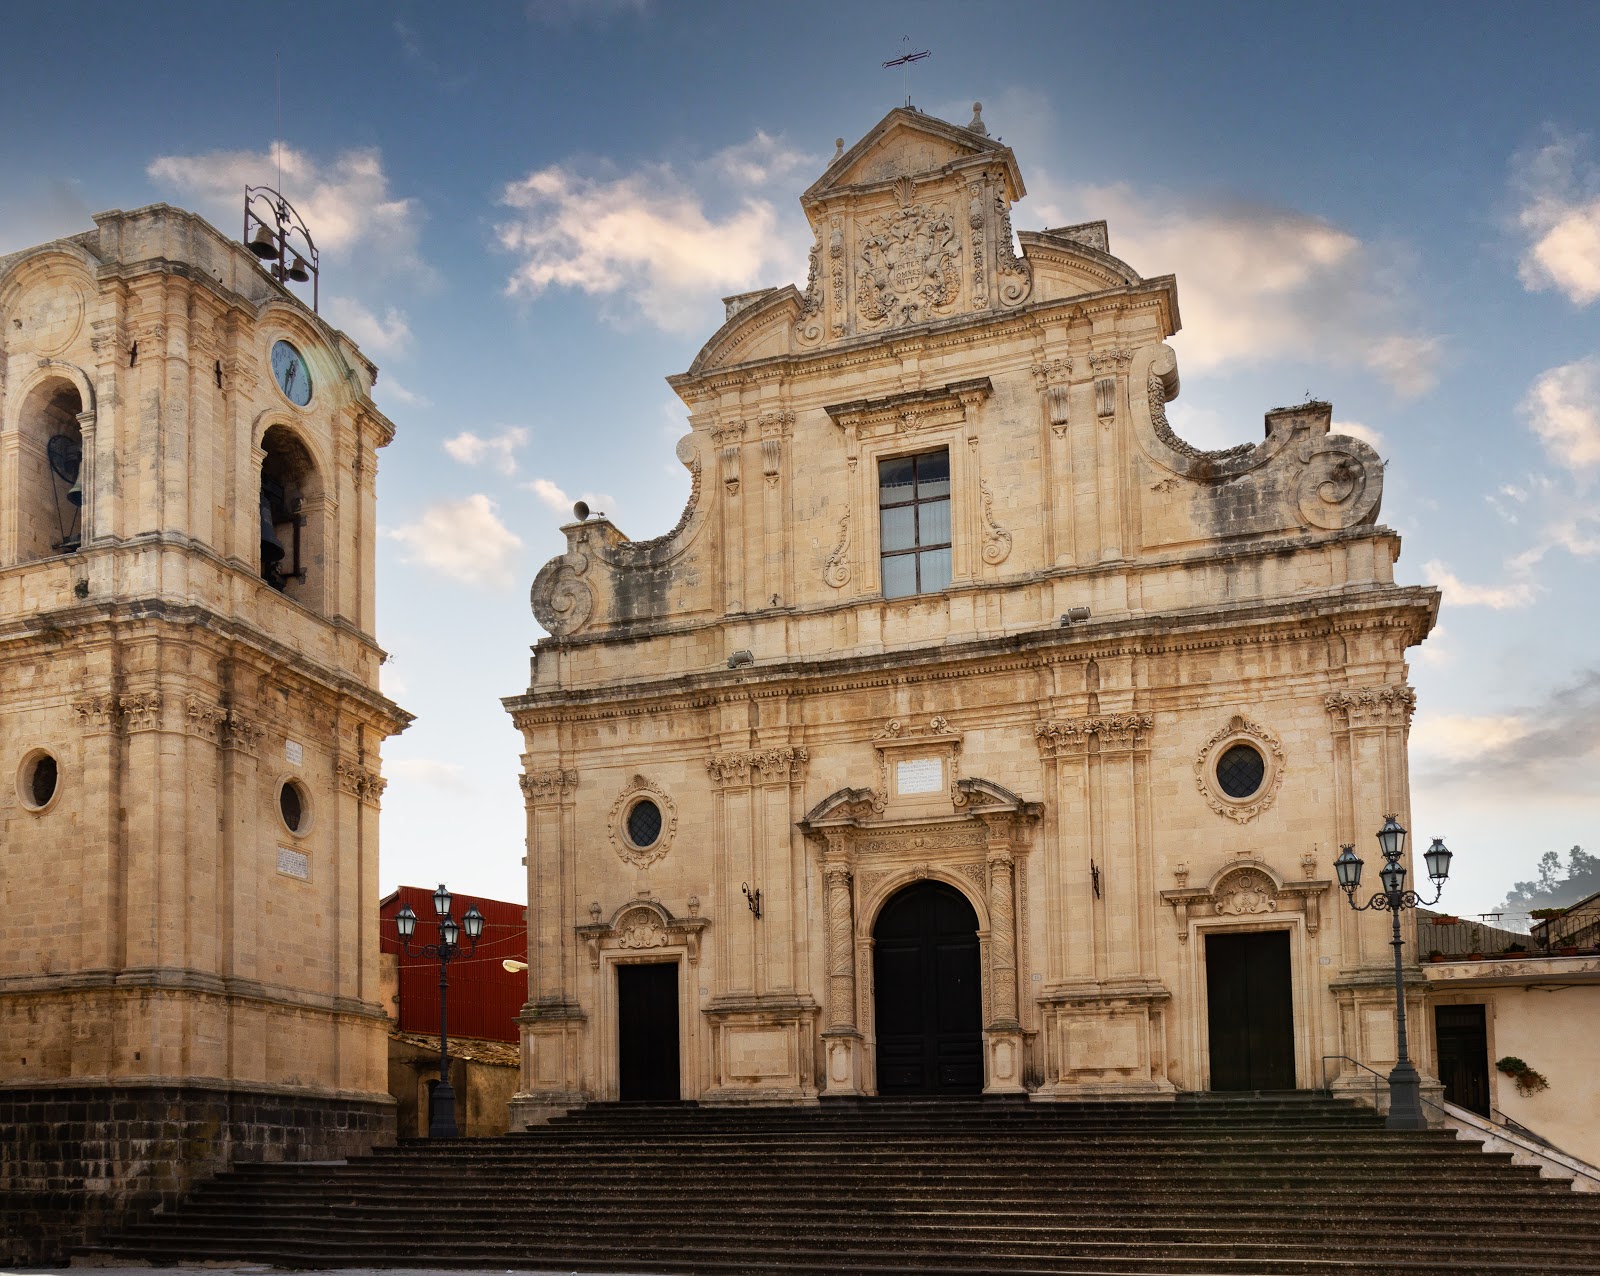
(80, 1159)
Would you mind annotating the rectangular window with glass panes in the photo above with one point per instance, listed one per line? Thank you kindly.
(914, 523)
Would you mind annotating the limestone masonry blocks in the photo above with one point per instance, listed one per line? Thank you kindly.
(1148, 693)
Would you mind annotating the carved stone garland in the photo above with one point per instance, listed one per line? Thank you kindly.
(1239, 730)
(1246, 889)
(642, 855)
(641, 925)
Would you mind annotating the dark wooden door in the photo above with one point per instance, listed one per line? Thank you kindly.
(929, 1017)
(1463, 1034)
(647, 1031)
(1250, 1010)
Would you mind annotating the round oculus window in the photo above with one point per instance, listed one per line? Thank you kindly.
(644, 824)
(292, 806)
(40, 778)
(1240, 771)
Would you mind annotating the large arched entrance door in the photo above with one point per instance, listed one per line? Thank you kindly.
(926, 988)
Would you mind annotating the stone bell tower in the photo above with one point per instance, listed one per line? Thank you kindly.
(190, 726)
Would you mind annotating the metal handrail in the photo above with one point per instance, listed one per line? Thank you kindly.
(1504, 1121)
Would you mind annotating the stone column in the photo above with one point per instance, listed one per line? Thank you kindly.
(842, 1040)
(1003, 1035)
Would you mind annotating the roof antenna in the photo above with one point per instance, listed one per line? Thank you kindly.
(904, 62)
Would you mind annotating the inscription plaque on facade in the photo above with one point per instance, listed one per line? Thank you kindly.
(919, 775)
(293, 754)
(293, 863)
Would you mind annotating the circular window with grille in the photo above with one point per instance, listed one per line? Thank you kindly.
(644, 824)
(38, 780)
(1240, 771)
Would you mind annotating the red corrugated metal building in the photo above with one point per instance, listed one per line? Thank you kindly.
(485, 998)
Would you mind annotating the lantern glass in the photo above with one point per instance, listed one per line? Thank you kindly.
(1394, 877)
(405, 921)
(473, 922)
(441, 900)
(1348, 868)
(1392, 838)
(1438, 858)
(449, 931)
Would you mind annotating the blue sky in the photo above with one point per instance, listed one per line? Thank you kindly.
(529, 212)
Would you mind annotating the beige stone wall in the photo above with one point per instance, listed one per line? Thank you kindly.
(1122, 607)
(1543, 1011)
(177, 930)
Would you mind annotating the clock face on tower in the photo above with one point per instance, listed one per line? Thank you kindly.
(290, 372)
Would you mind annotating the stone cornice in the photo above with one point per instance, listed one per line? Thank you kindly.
(1134, 635)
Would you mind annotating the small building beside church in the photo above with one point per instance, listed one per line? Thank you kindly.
(190, 726)
(971, 731)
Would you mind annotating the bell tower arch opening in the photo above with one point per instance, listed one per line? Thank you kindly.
(291, 549)
(927, 993)
(49, 479)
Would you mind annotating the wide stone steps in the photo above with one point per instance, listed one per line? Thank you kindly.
(1280, 1185)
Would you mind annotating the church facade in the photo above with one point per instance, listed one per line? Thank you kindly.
(970, 731)
(190, 726)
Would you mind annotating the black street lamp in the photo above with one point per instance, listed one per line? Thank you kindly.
(442, 1106)
(1405, 1085)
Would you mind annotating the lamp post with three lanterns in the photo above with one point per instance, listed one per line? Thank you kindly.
(1405, 1084)
(442, 1106)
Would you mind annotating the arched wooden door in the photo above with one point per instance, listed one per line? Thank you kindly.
(927, 993)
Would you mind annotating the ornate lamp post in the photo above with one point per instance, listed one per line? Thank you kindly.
(1405, 1085)
(442, 1107)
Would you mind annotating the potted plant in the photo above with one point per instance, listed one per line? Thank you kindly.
(1477, 944)
(1529, 1080)
(1511, 950)
(1435, 954)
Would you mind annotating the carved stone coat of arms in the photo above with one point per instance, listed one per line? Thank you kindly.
(910, 265)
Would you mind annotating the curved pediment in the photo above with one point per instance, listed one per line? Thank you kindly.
(1064, 265)
(763, 329)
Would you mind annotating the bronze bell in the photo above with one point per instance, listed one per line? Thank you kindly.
(297, 270)
(271, 547)
(264, 243)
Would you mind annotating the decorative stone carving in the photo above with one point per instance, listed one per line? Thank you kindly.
(136, 712)
(366, 786)
(642, 855)
(552, 785)
(811, 301)
(641, 925)
(996, 540)
(1372, 706)
(203, 718)
(1017, 278)
(561, 602)
(1114, 359)
(760, 766)
(730, 468)
(1247, 888)
(1246, 893)
(1111, 733)
(947, 405)
(1331, 488)
(1239, 729)
(909, 268)
(96, 713)
(1105, 397)
(141, 710)
(771, 456)
(836, 572)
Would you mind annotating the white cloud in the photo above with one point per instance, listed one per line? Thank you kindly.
(1355, 430)
(650, 240)
(1458, 737)
(1560, 218)
(451, 776)
(1457, 592)
(1562, 407)
(463, 540)
(557, 500)
(388, 389)
(473, 449)
(346, 201)
(390, 334)
(1257, 283)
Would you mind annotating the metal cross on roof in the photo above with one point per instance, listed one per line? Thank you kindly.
(904, 62)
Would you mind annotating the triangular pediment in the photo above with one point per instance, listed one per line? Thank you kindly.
(907, 143)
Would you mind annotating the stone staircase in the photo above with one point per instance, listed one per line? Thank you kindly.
(1276, 1185)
